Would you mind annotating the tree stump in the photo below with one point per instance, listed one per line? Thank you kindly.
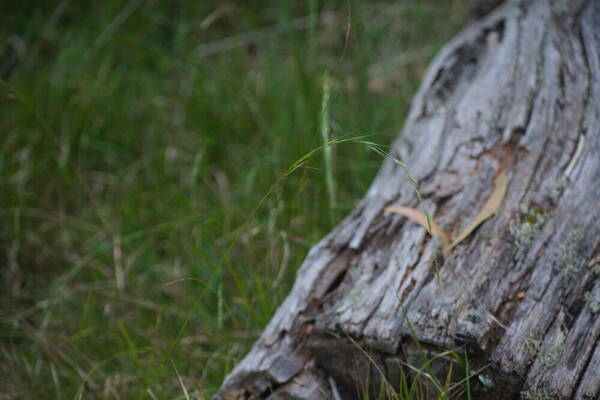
(516, 93)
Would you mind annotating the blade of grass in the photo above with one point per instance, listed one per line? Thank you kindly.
(185, 392)
(327, 150)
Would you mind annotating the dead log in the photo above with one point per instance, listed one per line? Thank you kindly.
(516, 93)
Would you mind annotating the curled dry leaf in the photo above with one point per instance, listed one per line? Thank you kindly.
(420, 218)
(489, 208)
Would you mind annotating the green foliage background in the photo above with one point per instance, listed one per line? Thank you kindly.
(137, 137)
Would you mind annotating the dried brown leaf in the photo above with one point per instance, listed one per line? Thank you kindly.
(421, 219)
(489, 208)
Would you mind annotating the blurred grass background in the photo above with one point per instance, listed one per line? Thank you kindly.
(137, 137)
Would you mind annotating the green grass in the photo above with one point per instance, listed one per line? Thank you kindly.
(138, 137)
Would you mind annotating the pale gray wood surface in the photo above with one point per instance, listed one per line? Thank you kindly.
(515, 93)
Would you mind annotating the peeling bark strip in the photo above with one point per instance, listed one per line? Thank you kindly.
(516, 93)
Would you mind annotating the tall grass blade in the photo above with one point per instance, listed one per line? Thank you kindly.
(327, 150)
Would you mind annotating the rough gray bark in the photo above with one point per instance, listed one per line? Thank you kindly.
(516, 93)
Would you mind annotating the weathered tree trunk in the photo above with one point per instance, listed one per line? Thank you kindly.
(517, 93)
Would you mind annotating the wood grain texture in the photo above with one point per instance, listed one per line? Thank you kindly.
(516, 93)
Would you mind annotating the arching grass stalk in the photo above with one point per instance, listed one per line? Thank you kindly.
(420, 197)
(219, 271)
(413, 181)
(292, 168)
